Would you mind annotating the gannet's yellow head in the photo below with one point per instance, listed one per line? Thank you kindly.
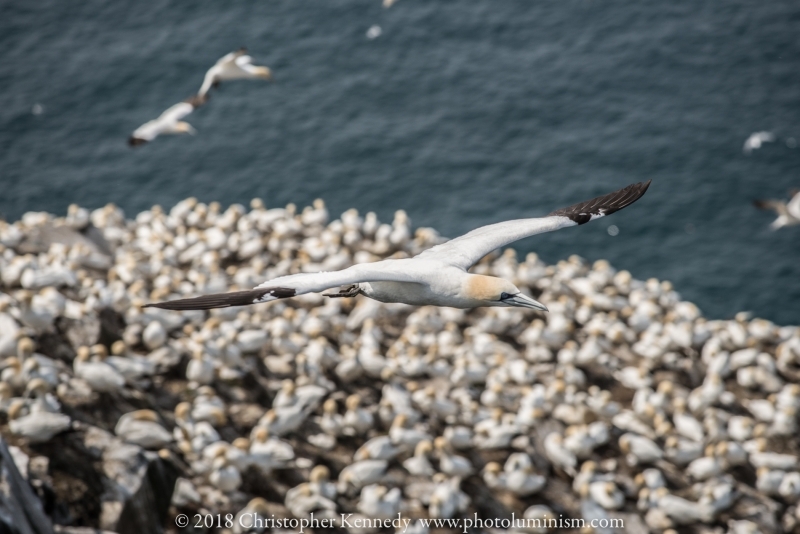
(263, 72)
(184, 127)
(492, 291)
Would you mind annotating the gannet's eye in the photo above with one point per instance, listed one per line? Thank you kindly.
(504, 296)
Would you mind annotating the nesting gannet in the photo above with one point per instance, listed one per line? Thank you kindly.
(142, 428)
(234, 66)
(377, 448)
(437, 276)
(788, 212)
(37, 427)
(447, 498)
(168, 122)
(379, 502)
(224, 476)
(419, 465)
(361, 473)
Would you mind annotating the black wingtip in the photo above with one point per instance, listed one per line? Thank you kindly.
(226, 300)
(584, 212)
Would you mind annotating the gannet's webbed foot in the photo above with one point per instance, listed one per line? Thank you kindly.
(348, 291)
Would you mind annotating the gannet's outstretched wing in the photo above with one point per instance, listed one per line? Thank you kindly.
(297, 284)
(465, 251)
(778, 206)
(231, 57)
(175, 113)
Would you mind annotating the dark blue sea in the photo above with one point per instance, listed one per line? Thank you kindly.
(462, 113)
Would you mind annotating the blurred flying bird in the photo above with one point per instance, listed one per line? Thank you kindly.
(788, 212)
(234, 66)
(437, 276)
(757, 139)
(168, 122)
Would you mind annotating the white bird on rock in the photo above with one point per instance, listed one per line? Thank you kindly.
(142, 428)
(437, 276)
(37, 427)
(451, 464)
(99, 375)
(558, 454)
(639, 449)
(419, 465)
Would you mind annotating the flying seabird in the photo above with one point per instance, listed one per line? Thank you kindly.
(437, 276)
(757, 139)
(234, 66)
(168, 122)
(788, 212)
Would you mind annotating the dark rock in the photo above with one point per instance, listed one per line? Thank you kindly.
(20, 509)
(85, 331)
(138, 487)
(72, 473)
(112, 325)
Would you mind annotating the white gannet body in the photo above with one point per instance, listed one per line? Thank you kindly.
(360, 474)
(558, 454)
(225, 476)
(36, 427)
(234, 66)
(377, 448)
(437, 276)
(168, 122)
(142, 428)
(100, 376)
(639, 449)
(419, 465)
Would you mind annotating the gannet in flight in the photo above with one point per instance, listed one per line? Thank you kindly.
(757, 139)
(234, 66)
(788, 212)
(168, 122)
(437, 276)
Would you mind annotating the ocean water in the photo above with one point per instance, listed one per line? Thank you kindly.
(462, 113)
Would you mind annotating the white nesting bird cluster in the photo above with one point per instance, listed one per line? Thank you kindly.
(621, 402)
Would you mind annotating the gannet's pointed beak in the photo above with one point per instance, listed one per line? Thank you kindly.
(523, 301)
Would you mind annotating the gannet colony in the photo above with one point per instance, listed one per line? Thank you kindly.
(622, 402)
